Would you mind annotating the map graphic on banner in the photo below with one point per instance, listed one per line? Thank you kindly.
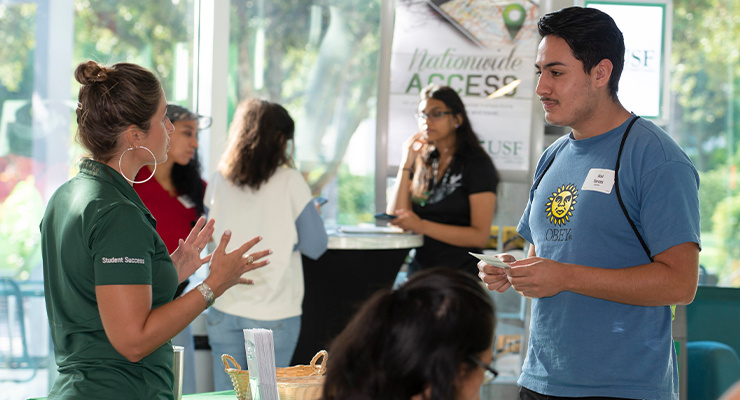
(479, 47)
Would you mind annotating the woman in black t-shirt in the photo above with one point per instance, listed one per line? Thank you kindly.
(446, 185)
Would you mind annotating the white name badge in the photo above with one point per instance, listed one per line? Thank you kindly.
(599, 180)
(185, 201)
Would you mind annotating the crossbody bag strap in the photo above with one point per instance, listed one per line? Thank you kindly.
(619, 195)
(537, 184)
(616, 186)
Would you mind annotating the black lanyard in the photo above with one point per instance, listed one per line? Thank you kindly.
(616, 186)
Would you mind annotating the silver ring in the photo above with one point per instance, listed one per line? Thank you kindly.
(250, 260)
(199, 249)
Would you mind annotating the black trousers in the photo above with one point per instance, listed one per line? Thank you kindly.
(526, 394)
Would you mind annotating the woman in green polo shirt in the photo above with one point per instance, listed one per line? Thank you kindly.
(108, 278)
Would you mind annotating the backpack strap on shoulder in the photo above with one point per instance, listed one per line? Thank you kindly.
(619, 195)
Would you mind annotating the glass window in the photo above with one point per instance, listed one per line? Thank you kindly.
(319, 60)
(37, 121)
(704, 118)
(21, 147)
(42, 42)
(157, 34)
(30, 121)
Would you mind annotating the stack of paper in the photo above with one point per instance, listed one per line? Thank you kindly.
(261, 364)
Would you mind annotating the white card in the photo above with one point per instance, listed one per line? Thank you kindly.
(185, 201)
(599, 180)
(490, 260)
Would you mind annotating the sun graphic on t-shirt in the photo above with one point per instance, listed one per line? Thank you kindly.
(560, 205)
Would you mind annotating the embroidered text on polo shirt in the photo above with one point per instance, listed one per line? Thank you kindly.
(119, 260)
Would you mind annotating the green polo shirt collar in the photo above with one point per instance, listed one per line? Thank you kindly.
(105, 173)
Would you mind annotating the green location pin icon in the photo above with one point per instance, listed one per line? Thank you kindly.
(514, 15)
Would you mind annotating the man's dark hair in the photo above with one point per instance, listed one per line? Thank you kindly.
(592, 36)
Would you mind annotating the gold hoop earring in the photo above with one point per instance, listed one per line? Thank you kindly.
(134, 148)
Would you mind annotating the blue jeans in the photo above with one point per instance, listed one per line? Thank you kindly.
(226, 336)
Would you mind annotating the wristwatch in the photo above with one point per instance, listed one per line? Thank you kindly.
(207, 293)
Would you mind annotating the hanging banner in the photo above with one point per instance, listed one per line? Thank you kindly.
(485, 50)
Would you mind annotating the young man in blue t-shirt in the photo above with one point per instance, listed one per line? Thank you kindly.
(613, 219)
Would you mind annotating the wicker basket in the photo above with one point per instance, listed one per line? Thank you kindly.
(299, 382)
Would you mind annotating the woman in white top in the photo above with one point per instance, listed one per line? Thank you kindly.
(256, 191)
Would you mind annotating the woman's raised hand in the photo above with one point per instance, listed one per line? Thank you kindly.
(186, 256)
(412, 146)
(227, 268)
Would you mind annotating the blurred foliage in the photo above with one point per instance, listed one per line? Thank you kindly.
(356, 198)
(727, 234)
(144, 32)
(704, 75)
(318, 59)
(19, 230)
(705, 113)
(17, 42)
(714, 188)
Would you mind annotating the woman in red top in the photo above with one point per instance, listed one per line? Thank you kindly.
(175, 198)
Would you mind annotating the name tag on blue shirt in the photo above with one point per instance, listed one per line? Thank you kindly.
(599, 180)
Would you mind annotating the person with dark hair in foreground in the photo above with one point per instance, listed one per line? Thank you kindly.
(613, 222)
(429, 339)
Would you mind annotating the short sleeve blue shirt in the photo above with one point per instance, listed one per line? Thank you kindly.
(583, 346)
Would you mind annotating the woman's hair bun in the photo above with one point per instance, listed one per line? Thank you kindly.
(91, 72)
